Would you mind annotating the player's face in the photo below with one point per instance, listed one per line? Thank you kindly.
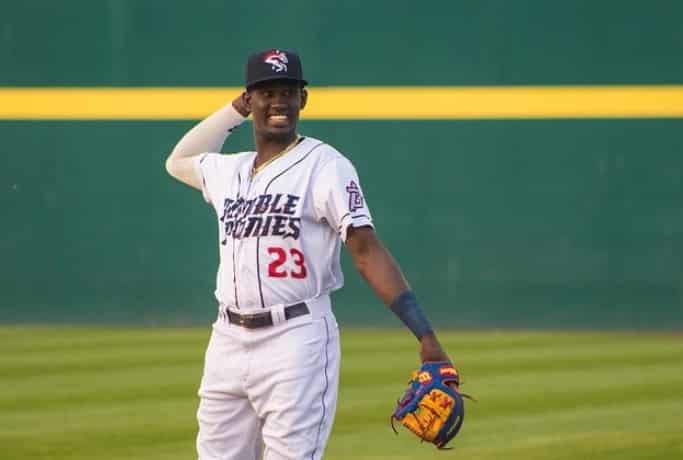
(275, 107)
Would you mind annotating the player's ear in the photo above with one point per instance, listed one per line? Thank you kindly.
(246, 98)
(304, 98)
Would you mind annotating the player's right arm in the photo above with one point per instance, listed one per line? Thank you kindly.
(207, 136)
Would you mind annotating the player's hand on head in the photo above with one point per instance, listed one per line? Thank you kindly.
(240, 104)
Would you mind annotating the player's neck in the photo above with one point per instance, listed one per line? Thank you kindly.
(268, 148)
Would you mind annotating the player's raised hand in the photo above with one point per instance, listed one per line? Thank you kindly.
(240, 105)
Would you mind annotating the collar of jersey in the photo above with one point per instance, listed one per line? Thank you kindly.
(282, 163)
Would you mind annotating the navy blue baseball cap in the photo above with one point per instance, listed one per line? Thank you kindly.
(273, 64)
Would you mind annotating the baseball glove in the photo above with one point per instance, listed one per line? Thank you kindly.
(430, 408)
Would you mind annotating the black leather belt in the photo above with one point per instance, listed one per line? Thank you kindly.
(265, 319)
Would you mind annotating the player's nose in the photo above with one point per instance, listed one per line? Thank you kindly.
(282, 96)
(279, 100)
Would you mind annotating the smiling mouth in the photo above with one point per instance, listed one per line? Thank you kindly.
(278, 117)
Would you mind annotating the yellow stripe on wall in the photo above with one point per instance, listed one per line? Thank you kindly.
(358, 103)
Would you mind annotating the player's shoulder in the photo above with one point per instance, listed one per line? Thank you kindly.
(329, 165)
(325, 153)
(225, 160)
(239, 157)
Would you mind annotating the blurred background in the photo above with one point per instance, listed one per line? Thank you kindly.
(510, 221)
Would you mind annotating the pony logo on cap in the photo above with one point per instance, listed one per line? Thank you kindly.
(278, 60)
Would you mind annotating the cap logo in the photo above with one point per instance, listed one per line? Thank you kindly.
(278, 60)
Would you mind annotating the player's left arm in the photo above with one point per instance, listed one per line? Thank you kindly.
(374, 262)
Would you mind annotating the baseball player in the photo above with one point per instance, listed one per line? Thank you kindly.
(271, 371)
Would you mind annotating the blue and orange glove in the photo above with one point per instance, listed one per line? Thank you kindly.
(430, 408)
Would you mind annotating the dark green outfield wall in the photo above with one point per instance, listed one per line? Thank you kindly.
(548, 223)
(351, 42)
(545, 223)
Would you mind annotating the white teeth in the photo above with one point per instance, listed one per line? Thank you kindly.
(278, 117)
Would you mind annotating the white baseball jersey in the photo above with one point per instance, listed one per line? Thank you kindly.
(280, 232)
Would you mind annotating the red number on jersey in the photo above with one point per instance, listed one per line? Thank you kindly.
(299, 262)
(274, 269)
(280, 257)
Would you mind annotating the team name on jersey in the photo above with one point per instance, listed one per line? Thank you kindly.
(266, 215)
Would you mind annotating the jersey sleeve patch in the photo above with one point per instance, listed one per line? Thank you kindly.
(356, 200)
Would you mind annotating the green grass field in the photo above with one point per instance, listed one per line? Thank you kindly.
(106, 393)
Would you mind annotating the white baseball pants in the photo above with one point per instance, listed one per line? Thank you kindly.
(270, 391)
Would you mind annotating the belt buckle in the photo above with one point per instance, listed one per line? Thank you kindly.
(275, 315)
(249, 319)
(241, 320)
